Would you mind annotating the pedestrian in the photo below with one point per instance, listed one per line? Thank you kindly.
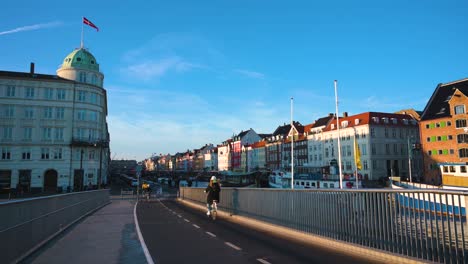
(212, 193)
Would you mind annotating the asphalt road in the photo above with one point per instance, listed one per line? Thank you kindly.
(174, 233)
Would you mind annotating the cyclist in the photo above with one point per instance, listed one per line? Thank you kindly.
(146, 189)
(212, 193)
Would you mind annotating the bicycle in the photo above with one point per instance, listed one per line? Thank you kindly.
(147, 195)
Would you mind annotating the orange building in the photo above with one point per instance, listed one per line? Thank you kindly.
(444, 135)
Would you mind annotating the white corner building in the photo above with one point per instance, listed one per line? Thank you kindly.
(53, 128)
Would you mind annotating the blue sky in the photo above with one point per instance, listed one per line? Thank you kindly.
(180, 74)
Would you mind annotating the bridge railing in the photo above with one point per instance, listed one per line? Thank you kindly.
(425, 224)
(28, 223)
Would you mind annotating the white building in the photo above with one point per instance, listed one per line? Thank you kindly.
(382, 139)
(224, 156)
(53, 128)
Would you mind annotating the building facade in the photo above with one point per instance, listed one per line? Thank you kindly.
(444, 135)
(54, 133)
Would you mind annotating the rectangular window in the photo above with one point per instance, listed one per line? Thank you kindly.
(29, 113)
(59, 113)
(46, 133)
(386, 132)
(27, 133)
(394, 132)
(91, 155)
(61, 94)
(431, 125)
(82, 96)
(10, 111)
(26, 154)
(460, 123)
(443, 124)
(58, 133)
(363, 149)
(444, 138)
(7, 133)
(459, 109)
(365, 165)
(45, 153)
(445, 152)
(93, 98)
(48, 93)
(80, 133)
(387, 149)
(372, 132)
(81, 115)
(10, 91)
(463, 169)
(92, 116)
(395, 149)
(29, 92)
(6, 153)
(373, 149)
(433, 138)
(58, 153)
(48, 112)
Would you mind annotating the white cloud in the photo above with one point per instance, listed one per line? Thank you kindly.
(32, 27)
(187, 121)
(250, 74)
(156, 69)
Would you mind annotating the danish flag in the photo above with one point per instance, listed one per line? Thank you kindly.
(89, 23)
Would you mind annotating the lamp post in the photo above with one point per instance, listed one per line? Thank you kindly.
(409, 161)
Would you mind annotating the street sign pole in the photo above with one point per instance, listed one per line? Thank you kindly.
(138, 173)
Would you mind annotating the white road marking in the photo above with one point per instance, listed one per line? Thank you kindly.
(179, 216)
(263, 261)
(211, 234)
(196, 226)
(233, 246)
(186, 220)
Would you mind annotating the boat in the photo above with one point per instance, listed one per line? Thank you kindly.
(238, 179)
(281, 179)
(444, 204)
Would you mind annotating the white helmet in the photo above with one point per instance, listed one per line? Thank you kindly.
(213, 178)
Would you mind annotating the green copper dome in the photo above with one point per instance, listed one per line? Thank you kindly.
(80, 59)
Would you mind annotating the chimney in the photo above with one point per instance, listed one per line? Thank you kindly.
(345, 114)
(31, 68)
(330, 114)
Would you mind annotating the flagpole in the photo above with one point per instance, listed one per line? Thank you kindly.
(292, 146)
(82, 29)
(355, 160)
(339, 139)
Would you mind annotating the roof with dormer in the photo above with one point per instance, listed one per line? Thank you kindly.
(438, 104)
(374, 119)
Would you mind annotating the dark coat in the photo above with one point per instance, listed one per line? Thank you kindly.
(212, 193)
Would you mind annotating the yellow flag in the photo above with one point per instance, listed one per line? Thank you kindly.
(357, 156)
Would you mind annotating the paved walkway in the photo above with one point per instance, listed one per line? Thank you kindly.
(107, 236)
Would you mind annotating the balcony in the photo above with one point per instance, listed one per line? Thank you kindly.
(87, 142)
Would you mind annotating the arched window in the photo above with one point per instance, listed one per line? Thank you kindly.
(463, 153)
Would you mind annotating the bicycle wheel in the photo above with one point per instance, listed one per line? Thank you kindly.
(214, 211)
